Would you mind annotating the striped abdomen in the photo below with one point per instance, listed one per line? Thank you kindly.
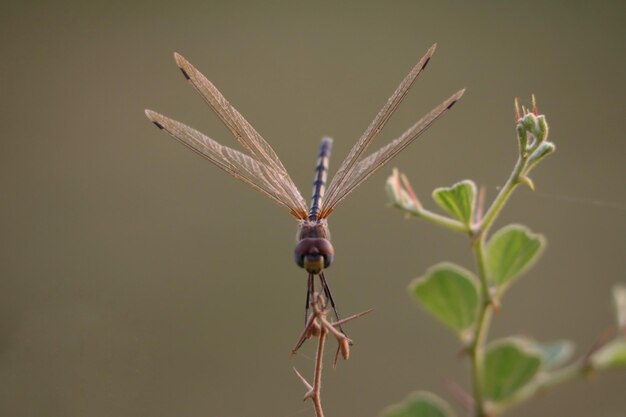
(321, 174)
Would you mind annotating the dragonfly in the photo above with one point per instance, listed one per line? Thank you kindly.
(258, 165)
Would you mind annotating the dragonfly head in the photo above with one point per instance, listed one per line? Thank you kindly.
(314, 254)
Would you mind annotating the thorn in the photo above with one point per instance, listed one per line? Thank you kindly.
(331, 328)
(517, 115)
(526, 180)
(304, 381)
(336, 357)
(305, 333)
(352, 317)
(534, 105)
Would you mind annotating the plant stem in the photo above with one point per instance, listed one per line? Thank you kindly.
(480, 231)
(501, 198)
(479, 254)
(435, 218)
(317, 378)
(480, 333)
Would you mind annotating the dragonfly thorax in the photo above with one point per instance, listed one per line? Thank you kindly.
(314, 252)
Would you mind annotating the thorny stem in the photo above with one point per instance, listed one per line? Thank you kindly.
(318, 326)
(317, 379)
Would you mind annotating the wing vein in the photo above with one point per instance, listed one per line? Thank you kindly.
(256, 174)
(253, 143)
(343, 173)
(367, 166)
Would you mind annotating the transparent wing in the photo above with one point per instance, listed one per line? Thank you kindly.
(246, 135)
(258, 175)
(343, 173)
(367, 166)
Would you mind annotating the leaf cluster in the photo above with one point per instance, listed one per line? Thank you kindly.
(510, 370)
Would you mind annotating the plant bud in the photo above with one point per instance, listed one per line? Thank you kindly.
(314, 330)
(345, 348)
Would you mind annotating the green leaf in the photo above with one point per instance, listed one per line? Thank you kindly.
(449, 293)
(509, 365)
(555, 353)
(420, 404)
(611, 355)
(457, 200)
(510, 252)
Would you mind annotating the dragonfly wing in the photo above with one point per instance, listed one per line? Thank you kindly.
(246, 135)
(367, 166)
(258, 175)
(343, 173)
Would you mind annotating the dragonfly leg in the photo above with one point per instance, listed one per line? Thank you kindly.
(309, 294)
(330, 298)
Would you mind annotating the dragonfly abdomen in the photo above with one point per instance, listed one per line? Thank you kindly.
(321, 175)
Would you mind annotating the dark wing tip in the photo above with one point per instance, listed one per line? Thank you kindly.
(183, 64)
(426, 58)
(455, 97)
(180, 60)
(432, 50)
(152, 116)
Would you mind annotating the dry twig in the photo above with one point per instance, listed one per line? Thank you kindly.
(318, 326)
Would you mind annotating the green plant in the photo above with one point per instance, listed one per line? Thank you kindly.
(508, 371)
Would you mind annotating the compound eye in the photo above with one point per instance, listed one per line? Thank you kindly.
(299, 259)
(328, 260)
(302, 249)
(327, 251)
(314, 248)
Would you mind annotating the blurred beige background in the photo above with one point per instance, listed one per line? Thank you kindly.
(139, 280)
